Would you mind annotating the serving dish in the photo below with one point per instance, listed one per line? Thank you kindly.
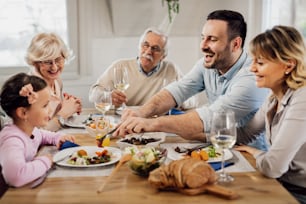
(145, 159)
(149, 139)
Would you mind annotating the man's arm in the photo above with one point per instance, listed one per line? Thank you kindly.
(159, 104)
(188, 125)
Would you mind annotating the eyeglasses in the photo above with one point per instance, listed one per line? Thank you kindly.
(154, 48)
(58, 61)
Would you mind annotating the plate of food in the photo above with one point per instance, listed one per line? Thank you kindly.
(87, 156)
(209, 153)
(149, 139)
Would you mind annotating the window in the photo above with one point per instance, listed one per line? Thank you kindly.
(20, 20)
(290, 12)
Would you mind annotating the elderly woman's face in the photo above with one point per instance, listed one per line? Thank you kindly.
(51, 69)
(151, 51)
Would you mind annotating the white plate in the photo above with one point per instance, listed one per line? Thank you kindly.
(120, 110)
(76, 121)
(115, 152)
(173, 155)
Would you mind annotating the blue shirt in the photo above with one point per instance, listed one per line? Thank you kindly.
(235, 90)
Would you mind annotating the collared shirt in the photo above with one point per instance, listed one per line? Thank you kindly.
(235, 90)
(286, 135)
(155, 69)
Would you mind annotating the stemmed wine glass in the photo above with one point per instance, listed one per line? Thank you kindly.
(103, 100)
(121, 80)
(223, 135)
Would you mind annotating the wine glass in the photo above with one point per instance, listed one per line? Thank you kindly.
(223, 135)
(102, 100)
(121, 80)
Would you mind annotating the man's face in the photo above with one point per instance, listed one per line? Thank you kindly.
(216, 46)
(151, 51)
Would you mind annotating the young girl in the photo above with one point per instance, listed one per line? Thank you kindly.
(25, 99)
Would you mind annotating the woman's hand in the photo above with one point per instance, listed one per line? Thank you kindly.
(245, 148)
(70, 105)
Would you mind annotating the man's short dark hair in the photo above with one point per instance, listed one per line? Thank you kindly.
(235, 21)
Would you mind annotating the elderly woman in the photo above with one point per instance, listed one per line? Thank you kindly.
(47, 54)
(279, 64)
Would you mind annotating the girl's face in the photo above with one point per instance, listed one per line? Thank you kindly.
(269, 74)
(38, 113)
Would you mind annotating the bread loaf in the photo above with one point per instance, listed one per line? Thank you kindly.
(182, 174)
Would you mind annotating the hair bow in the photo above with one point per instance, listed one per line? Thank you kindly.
(27, 91)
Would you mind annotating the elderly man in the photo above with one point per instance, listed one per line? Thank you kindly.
(223, 73)
(147, 72)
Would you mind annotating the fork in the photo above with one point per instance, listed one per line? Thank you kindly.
(180, 150)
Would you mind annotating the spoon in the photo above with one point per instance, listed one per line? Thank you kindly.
(123, 160)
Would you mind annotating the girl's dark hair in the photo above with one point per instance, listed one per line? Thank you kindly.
(235, 22)
(10, 99)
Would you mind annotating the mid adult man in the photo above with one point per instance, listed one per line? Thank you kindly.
(223, 72)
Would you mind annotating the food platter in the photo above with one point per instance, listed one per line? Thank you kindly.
(61, 158)
(173, 155)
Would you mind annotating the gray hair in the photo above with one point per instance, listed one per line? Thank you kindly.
(157, 32)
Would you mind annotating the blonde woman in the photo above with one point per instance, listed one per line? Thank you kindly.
(47, 54)
(279, 64)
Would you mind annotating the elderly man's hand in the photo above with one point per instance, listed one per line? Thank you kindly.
(118, 98)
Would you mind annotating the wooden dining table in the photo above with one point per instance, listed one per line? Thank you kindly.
(127, 187)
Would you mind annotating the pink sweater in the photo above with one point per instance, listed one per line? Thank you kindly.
(18, 159)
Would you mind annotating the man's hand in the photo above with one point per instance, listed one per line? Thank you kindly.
(135, 125)
(118, 98)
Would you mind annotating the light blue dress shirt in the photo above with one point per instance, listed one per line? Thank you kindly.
(235, 90)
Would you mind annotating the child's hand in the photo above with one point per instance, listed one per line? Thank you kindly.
(64, 138)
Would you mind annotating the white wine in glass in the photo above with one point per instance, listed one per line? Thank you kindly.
(223, 136)
(103, 100)
(121, 79)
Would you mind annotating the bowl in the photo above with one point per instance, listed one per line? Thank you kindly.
(145, 159)
(99, 127)
(149, 139)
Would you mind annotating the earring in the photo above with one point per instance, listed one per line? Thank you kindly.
(286, 73)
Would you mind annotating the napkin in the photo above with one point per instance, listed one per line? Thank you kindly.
(68, 144)
(176, 112)
(217, 165)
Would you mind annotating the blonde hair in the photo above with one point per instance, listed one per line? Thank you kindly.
(281, 44)
(46, 46)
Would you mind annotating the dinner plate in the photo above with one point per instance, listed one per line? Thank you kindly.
(76, 121)
(173, 155)
(58, 157)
